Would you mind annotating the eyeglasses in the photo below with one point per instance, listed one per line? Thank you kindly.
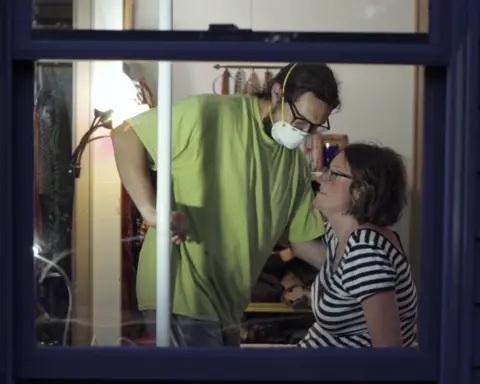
(330, 175)
(300, 122)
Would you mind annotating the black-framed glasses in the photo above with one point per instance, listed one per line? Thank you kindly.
(330, 175)
(302, 123)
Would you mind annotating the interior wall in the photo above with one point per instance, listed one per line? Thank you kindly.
(106, 223)
(82, 293)
(378, 101)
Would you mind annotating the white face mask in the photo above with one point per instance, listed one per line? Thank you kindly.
(287, 135)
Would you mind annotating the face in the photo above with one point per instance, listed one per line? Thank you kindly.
(308, 114)
(334, 195)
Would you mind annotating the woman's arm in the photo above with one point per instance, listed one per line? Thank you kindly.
(369, 276)
(313, 252)
(383, 320)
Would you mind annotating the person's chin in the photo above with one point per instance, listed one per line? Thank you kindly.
(316, 203)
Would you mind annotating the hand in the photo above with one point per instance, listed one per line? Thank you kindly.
(178, 227)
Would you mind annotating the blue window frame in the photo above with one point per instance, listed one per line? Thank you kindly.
(450, 53)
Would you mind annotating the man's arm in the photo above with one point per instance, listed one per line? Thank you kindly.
(306, 227)
(133, 169)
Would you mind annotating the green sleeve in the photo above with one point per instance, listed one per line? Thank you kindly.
(306, 223)
(185, 117)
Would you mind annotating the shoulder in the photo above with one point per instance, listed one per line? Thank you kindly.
(367, 268)
(366, 237)
(212, 103)
(190, 104)
(147, 117)
(365, 246)
(190, 113)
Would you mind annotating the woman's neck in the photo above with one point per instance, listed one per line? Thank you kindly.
(343, 226)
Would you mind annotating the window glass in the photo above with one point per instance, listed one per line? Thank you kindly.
(406, 16)
(241, 188)
(53, 14)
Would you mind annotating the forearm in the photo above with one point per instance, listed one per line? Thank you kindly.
(312, 252)
(133, 169)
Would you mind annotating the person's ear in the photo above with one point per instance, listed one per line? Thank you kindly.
(357, 191)
(275, 94)
(356, 194)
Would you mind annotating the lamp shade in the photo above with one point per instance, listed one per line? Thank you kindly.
(116, 92)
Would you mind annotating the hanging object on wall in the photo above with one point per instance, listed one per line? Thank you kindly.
(240, 79)
(321, 149)
(331, 145)
(226, 82)
(239, 84)
(267, 80)
(253, 85)
(144, 94)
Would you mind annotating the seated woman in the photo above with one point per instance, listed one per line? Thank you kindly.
(364, 294)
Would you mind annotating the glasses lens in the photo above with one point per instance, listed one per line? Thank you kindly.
(301, 125)
(316, 130)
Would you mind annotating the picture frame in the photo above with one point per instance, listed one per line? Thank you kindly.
(320, 150)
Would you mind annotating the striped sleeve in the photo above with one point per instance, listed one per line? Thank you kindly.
(367, 271)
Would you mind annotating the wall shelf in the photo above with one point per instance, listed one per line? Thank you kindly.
(274, 308)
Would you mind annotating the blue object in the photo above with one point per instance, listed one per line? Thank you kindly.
(329, 151)
(449, 324)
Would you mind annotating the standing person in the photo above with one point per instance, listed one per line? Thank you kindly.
(242, 183)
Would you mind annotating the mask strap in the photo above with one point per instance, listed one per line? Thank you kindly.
(283, 93)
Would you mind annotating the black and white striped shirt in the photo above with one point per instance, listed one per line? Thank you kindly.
(371, 264)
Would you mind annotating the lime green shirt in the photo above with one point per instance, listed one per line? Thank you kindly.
(241, 191)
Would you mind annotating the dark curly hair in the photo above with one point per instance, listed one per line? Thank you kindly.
(379, 184)
(317, 78)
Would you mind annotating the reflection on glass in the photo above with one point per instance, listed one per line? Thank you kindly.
(48, 14)
(239, 204)
(258, 15)
(53, 201)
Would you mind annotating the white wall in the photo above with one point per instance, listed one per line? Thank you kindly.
(106, 222)
(377, 100)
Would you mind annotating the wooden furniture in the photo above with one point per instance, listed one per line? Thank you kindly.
(320, 150)
(284, 322)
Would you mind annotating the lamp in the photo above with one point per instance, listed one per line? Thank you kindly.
(111, 109)
(128, 99)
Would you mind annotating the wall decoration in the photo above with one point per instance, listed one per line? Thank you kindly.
(321, 149)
